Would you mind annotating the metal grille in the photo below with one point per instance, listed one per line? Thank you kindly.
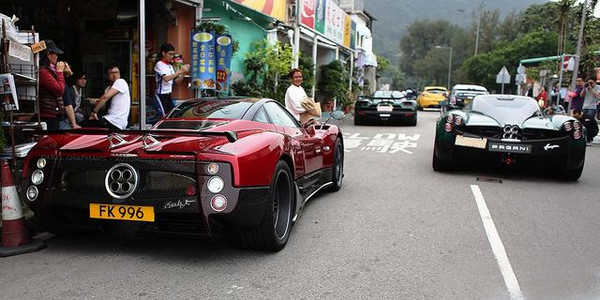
(537, 134)
(160, 185)
(158, 179)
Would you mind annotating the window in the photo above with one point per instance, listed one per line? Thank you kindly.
(261, 116)
(279, 116)
(229, 109)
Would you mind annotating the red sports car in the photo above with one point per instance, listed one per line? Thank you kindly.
(240, 168)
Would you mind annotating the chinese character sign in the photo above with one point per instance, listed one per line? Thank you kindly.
(223, 54)
(203, 60)
(334, 23)
(320, 15)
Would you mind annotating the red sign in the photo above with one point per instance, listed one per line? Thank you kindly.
(565, 61)
(307, 13)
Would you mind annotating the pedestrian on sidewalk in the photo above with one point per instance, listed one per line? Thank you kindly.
(52, 75)
(165, 76)
(591, 96)
(576, 102)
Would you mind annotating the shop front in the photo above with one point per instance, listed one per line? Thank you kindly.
(95, 33)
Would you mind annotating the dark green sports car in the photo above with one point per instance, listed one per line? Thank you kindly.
(385, 107)
(511, 131)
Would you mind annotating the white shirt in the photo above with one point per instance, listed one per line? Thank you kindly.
(162, 69)
(118, 112)
(589, 102)
(293, 96)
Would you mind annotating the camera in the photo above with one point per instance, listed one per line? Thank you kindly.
(587, 85)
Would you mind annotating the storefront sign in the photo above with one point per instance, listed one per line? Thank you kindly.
(203, 60)
(273, 8)
(224, 53)
(320, 15)
(19, 51)
(347, 30)
(353, 36)
(334, 23)
(307, 13)
(38, 47)
(8, 92)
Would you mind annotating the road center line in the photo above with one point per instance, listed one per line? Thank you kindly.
(497, 247)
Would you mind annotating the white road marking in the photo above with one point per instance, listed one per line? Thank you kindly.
(497, 247)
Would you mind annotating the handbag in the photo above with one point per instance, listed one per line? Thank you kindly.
(313, 110)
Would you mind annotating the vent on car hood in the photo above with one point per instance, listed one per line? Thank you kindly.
(187, 124)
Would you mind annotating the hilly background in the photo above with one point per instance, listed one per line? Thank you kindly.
(394, 16)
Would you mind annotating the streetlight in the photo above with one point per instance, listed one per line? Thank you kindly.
(449, 62)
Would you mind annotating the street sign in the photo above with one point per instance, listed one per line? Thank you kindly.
(521, 69)
(519, 78)
(571, 64)
(503, 76)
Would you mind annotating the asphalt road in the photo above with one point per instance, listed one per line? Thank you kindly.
(396, 230)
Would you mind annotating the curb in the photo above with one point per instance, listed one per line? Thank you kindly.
(35, 245)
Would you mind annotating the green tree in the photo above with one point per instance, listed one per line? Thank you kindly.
(333, 82)
(266, 67)
(423, 36)
(482, 69)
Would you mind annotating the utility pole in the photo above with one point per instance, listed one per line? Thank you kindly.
(578, 52)
(477, 34)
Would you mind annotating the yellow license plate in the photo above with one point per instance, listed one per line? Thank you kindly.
(122, 212)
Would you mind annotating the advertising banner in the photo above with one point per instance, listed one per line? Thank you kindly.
(353, 36)
(307, 13)
(334, 23)
(320, 15)
(347, 31)
(224, 53)
(273, 8)
(203, 60)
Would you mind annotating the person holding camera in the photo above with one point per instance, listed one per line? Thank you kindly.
(591, 96)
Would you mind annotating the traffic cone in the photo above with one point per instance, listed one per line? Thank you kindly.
(15, 236)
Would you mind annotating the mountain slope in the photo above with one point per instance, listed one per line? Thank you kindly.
(394, 16)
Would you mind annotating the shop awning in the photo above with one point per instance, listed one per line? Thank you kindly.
(249, 14)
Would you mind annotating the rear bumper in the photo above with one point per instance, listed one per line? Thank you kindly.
(393, 116)
(430, 103)
(564, 153)
(178, 217)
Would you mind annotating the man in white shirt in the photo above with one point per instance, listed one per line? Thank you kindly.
(295, 94)
(165, 76)
(591, 96)
(120, 103)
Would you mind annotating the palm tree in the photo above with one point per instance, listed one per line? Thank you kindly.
(563, 9)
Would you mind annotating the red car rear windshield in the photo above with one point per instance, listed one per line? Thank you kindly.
(225, 109)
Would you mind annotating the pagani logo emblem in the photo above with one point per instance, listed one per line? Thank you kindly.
(551, 147)
(121, 181)
(511, 132)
